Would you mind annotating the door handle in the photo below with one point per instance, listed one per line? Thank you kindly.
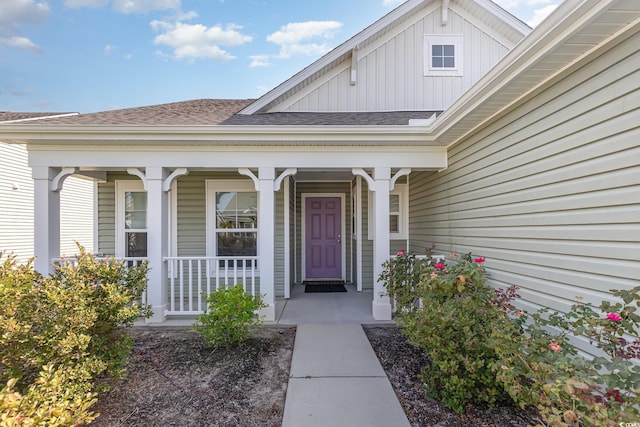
(338, 238)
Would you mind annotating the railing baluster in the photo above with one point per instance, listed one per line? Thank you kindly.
(190, 285)
(199, 285)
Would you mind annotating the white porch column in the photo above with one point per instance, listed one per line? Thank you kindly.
(46, 219)
(157, 242)
(381, 247)
(266, 240)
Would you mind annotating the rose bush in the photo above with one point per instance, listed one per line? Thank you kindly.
(483, 349)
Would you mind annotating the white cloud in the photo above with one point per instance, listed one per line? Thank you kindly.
(14, 12)
(109, 48)
(540, 14)
(296, 38)
(74, 4)
(144, 6)
(21, 43)
(259, 61)
(197, 41)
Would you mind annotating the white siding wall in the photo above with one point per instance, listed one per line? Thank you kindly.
(391, 70)
(16, 202)
(16, 207)
(550, 194)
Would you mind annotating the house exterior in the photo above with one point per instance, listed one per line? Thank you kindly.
(16, 200)
(444, 124)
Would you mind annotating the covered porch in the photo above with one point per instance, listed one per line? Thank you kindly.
(161, 201)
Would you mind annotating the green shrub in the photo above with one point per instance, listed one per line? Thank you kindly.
(540, 367)
(451, 317)
(229, 316)
(60, 334)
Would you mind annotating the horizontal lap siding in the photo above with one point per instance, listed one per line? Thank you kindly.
(76, 215)
(16, 207)
(550, 194)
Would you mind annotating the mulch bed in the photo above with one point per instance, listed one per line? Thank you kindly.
(174, 379)
(403, 364)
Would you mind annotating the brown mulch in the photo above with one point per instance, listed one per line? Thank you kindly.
(174, 379)
(403, 364)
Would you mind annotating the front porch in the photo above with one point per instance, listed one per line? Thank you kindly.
(212, 216)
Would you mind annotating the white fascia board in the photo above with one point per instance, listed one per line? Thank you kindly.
(516, 23)
(565, 21)
(316, 157)
(188, 135)
(344, 49)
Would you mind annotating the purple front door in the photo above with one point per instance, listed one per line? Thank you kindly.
(323, 240)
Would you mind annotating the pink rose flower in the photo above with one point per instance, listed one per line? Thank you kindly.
(504, 368)
(434, 275)
(401, 253)
(554, 346)
(439, 266)
(479, 260)
(520, 314)
(614, 317)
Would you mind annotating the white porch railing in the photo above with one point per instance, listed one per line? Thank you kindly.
(192, 279)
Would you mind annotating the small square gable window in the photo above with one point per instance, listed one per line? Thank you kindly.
(443, 55)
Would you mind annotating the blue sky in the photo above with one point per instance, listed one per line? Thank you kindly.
(95, 55)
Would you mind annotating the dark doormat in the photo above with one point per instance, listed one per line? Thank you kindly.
(315, 287)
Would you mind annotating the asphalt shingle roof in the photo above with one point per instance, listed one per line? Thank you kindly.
(215, 112)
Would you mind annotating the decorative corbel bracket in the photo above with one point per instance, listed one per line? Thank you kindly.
(58, 180)
(370, 181)
(137, 172)
(247, 172)
(444, 18)
(166, 184)
(287, 172)
(401, 172)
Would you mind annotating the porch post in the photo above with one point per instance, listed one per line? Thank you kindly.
(266, 240)
(157, 243)
(381, 246)
(46, 219)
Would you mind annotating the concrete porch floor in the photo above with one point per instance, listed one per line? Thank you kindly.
(325, 308)
(314, 308)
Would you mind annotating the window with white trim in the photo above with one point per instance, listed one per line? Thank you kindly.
(232, 218)
(398, 213)
(443, 55)
(131, 219)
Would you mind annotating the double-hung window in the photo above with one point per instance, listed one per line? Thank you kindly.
(131, 224)
(398, 213)
(232, 221)
(443, 55)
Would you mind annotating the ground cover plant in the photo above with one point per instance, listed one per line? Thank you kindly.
(481, 349)
(62, 336)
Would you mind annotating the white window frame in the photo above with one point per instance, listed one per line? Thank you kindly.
(214, 186)
(402, 191)
(443, 39)
(124, 185)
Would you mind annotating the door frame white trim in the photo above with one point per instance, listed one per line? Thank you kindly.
(343, 244)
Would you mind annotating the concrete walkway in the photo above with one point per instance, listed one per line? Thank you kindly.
(336, 380)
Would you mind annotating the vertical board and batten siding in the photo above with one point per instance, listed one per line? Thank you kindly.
(390, 71)
(550, 193)
(310, 187)
(16, 208)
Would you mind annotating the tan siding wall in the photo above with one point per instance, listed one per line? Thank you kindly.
(550, 194)
(16, 207)
(391, 71)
